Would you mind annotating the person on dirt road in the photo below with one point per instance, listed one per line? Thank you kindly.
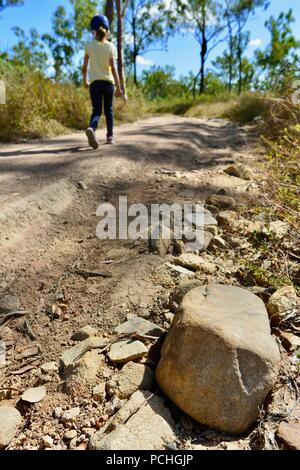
(103, 78)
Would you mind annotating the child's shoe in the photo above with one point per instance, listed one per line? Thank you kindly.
(110, 140)
(91, 135)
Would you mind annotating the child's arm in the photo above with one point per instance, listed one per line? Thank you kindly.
(85, 70)
(119, 91)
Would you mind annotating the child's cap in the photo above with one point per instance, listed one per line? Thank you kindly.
(99, 21)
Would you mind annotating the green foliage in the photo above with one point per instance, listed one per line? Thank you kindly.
(280, 59)
(29, 50)
(10, 3)
(159, 83)
(148, 23)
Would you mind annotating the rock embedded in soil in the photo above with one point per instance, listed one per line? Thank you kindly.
(197, 241)
(227, 218)
(9, 303)
(158, 242)
(195, 263)
(219, 360)
(10, 420)
(99, 392)
(83, 374)
(126, 351)
(240, 171)
(282, 302)
(129, 379)
(84, 333)
(290, 435)
(70, 416)
(72, 355)
(141, 327)
(222, 202)
(149, 427)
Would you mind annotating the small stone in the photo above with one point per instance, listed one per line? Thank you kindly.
(279, 228)
(158, 242)
(69, 435)
(169, 316)
(195, 263)
(131, 378)
(141, 327)
(180, 270)
(58, 412)
(227, 218)
(72, 355)
(179, 246)
(218, 243)
(10, 420)
(200, 220)
(240, 171)
(222, 202)
(126, 351)
(9, 303)
(290, 435)
(70, 415)
(82, 185)
(282, 302)
(99, 393)
(85, 333)
(49, 367)
(47, 442)
(197, 241)
(114, 405)
(6, 334)
(34, 395)
(289, 341)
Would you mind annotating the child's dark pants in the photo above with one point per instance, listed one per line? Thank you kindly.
(102, 91)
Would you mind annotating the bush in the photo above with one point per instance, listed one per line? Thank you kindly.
(37, 107)
(247, 107)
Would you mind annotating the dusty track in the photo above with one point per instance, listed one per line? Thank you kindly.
(48, 224)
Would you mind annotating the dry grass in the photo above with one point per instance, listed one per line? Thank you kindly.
(209, 110)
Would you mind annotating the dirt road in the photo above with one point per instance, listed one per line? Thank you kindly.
(48, 224)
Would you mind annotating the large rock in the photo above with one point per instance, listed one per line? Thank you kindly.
(146, 425)
(219, 360)
(10, 420)
(132, 377)
(281, 303)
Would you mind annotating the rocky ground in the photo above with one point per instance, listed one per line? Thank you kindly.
(82, 321)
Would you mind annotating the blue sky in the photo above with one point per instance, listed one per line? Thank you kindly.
(182, 51)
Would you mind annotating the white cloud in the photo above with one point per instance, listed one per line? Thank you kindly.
(255, 42)
(142, 61)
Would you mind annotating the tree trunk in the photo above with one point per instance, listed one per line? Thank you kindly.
(231, 55)
(203, 50)
(110, 10)
(135, 51)
(240, 56)
(120, 45)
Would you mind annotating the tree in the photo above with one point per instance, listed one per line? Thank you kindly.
(228, 65)
(204, 17)
(240, 11)
(280, 58)
(62, 42)
(148, 23)
(10, 3)
(83, 11)
(29, 50)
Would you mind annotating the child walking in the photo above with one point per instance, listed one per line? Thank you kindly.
(103, 78)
